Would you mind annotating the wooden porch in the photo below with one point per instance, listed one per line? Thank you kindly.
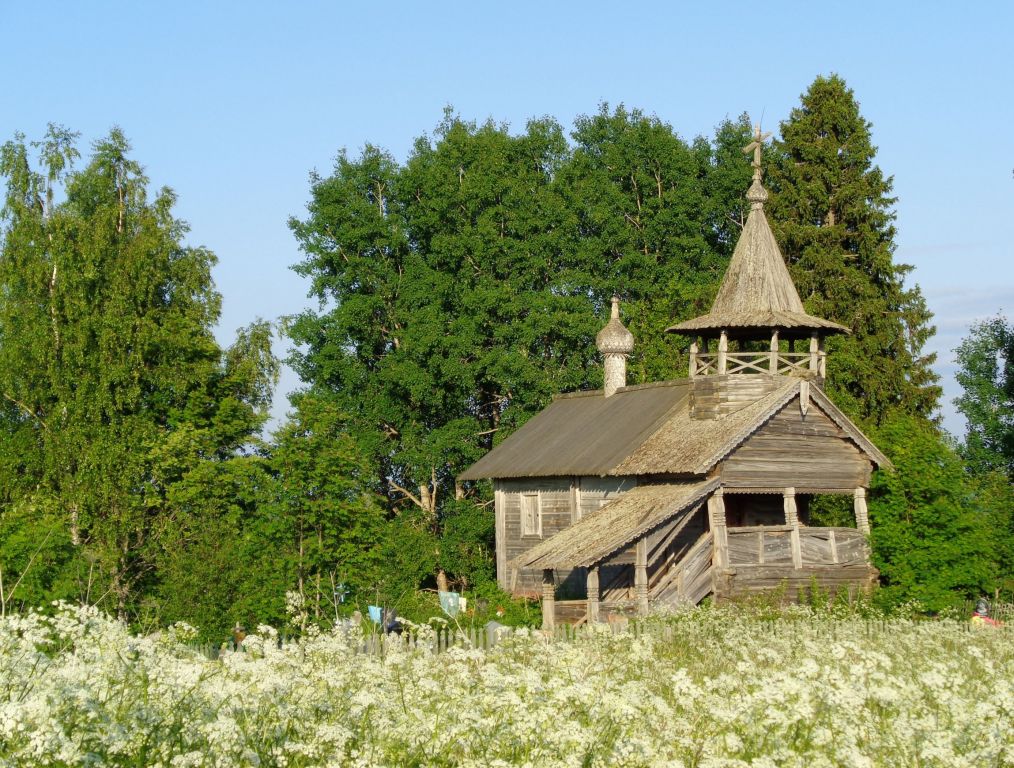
(753, 560)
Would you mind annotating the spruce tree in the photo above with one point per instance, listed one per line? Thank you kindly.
(831, 210)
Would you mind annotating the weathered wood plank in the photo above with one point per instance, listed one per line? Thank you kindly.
(803, 451)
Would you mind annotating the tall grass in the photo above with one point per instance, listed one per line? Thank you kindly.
(716, 687)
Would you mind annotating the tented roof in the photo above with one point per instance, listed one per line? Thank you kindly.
(757, 291)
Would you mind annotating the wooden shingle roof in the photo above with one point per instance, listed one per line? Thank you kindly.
(647, 430)
(684, 445)
(613, 527)
(757, 291)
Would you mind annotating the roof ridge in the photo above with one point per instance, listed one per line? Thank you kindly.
(654, 384)
(578, 393)
(628, 388)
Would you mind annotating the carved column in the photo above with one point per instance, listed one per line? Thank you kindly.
(592, 583)
(548, 599)
(693, 359)
(641, 576)
(723, 351)
(862, 514)
(773, 353)
(789, 505)
(719, 533)
(792, 518)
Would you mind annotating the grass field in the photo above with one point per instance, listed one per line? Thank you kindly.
(715, 687)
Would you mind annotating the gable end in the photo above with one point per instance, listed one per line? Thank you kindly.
(791, 449)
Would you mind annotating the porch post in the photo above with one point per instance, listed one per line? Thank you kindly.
(792, 518)
(862, 514)
(723, 351)
(592, 583)
(716, 516)
(789, 505)
(822, 363)
(773, 353)
(548, 599)
(693, 358)
(814, 353)
(641, 575)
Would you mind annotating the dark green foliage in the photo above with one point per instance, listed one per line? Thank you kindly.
(467, 542)
(330, 521)
(932, 532)
(831, 211)
(461, 291)
(995, 496)
(223, 557)
(986, 374)
(456, 314)
(653, 218)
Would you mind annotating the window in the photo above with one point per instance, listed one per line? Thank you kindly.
(531, 514)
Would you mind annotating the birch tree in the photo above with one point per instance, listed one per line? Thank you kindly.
(106, 354)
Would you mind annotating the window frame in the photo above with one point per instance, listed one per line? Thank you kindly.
(528, 498)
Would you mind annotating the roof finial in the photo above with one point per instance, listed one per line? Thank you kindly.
(757, 194)
(615, 313)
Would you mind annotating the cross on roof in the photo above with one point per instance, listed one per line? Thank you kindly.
(756, 145)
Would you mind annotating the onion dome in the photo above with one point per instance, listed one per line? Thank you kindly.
(614, 338)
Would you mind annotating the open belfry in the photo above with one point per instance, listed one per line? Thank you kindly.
(613, 501)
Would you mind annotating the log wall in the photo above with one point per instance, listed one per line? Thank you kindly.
(562, 502)
(809, 453)
(593, 493)
(795, 584)
(714, 396)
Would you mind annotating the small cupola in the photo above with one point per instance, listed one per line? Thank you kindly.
(615, 343)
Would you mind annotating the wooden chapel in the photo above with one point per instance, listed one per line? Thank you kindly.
(610, 502)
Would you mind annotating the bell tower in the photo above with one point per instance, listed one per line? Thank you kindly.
(757, 332)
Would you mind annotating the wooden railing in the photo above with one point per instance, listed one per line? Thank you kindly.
(778, 363)
(798, 546)
(690, 578)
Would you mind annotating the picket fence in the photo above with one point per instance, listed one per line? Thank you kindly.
(486, 638)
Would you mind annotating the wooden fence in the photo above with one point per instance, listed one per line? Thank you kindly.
(442, 640)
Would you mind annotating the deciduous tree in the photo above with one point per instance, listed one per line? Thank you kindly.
(106, 356)
(933, 529)
(986, 375)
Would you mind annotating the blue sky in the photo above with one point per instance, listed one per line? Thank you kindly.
(233, 104)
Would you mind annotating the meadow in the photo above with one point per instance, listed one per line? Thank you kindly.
(704, 687)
